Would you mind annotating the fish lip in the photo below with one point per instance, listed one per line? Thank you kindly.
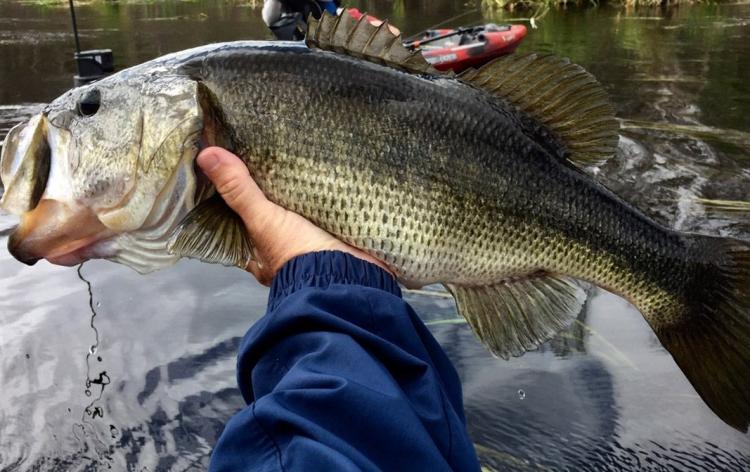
(71, 254)
(79, 251)
(20, 256)
(57, 231)
(24, 165)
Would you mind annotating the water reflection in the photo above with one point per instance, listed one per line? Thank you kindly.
(602, 395)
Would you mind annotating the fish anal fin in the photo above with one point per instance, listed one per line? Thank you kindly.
(559, 94)
(359, 38)
(212, 233)
(516, 316)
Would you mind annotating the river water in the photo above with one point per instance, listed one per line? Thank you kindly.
(102, 368)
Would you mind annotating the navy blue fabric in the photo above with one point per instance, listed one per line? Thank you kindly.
(329, 6)
(341, 374)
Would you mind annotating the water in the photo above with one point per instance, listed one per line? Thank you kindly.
(137, 372)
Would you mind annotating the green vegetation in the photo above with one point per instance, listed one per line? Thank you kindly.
(485, 4)
(512, 5)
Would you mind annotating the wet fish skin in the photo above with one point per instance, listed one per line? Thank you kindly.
(444, 181)
(444, 203)
(412, 176)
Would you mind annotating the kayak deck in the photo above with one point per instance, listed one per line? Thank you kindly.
(458, 49)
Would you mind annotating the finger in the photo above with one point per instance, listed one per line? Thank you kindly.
(232, 180)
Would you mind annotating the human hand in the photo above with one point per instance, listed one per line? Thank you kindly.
(277, 234)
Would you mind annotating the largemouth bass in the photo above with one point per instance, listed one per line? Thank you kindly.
(472, 181)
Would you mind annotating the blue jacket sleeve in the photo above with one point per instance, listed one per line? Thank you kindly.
(341, 374)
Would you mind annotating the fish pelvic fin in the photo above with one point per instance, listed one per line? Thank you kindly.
(212, 233)
(360, 38)
(516, 316)
(566, 99)
(709, 336)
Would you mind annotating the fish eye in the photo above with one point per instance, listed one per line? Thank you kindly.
(89, 103)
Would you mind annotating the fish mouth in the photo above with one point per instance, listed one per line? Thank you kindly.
(81, 251)
(24, 165)
(62, 234)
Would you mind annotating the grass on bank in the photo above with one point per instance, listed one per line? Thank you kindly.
(535, 4)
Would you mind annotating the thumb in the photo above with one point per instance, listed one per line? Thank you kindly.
(232, 180)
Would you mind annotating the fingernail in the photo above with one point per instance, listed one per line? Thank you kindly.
(208, 161)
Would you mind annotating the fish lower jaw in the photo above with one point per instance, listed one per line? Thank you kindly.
(95, 247)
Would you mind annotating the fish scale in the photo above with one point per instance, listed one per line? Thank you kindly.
(473, 181)
(437, 220)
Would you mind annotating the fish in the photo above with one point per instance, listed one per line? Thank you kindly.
(476, 181)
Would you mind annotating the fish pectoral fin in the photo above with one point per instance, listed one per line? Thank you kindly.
(559, 94)
(516, 316)
(213, 233)
(359, 38)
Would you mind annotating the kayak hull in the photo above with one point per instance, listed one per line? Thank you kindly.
(481, 47)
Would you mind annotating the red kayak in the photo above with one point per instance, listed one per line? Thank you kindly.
(457, 49)
(460, 48)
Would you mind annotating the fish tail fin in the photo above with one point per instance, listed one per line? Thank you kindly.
(709, 336)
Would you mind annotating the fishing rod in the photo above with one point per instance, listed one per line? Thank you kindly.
(75, 26)
(414, 37)
(457, 31)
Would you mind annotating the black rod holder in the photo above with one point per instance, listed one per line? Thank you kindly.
(93, 64)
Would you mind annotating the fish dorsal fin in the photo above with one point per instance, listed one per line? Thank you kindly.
(359, 38)
(213, 233)
(516, 316)
(562, 95)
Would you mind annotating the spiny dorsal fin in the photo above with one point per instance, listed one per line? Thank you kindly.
(361, 39)
(516, 316)
(558, 93)
(213, 233)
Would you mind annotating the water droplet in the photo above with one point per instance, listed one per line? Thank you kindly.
(521, 394)
(98, 304)
(99, 358)
(87, 392)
